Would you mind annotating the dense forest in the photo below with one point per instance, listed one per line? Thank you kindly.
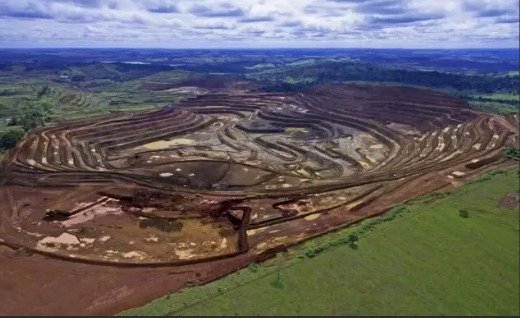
(298, 77)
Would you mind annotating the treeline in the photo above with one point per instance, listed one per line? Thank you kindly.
(493, 100)
(31, 116)
(35, 112)
(348, 71)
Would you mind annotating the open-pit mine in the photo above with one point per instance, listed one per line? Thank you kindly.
(185, 194)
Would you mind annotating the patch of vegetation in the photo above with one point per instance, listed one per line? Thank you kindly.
(402, 268)
(253, 267)
(514, 98)
(513, 153)
(34, 115)
(9, 139)
(494, 107)
(463, 213)
(498, 103)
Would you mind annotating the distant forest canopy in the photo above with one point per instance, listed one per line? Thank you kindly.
(305, 75)
(453, 60)
(477, 70)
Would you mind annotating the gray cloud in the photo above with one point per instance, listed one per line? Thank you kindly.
(324, 11)
(507, 19)
(224, 10)
(256, 19)
(492, 12)
(28, 11)
(215, 26)
(255, 32)
(379, 14)
(351, 1)
(293, 23)
(382, 7)
(376, 6)
(406, 18)
(81, 17)
(497, 9)
(82, 3)
(163, 8)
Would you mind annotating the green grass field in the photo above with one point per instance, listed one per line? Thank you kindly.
(421, 258)
(494, 107)
(503, 96)
(498, 103)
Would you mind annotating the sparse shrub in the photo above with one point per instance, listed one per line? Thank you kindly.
(42, 91)
(513, 153)
(253, 267)
(353, 245)
(310, 253)
(464, 214)
(314, 251)
(13, 121)
(352, 241)
(352, 238)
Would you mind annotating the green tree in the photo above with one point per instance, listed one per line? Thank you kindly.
(10, 138)
(35, 114)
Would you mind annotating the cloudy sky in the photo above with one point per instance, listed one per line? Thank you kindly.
(259, 23)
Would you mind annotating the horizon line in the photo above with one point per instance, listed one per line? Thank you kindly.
(258, 48)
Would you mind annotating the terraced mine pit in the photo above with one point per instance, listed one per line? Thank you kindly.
(224, 179)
